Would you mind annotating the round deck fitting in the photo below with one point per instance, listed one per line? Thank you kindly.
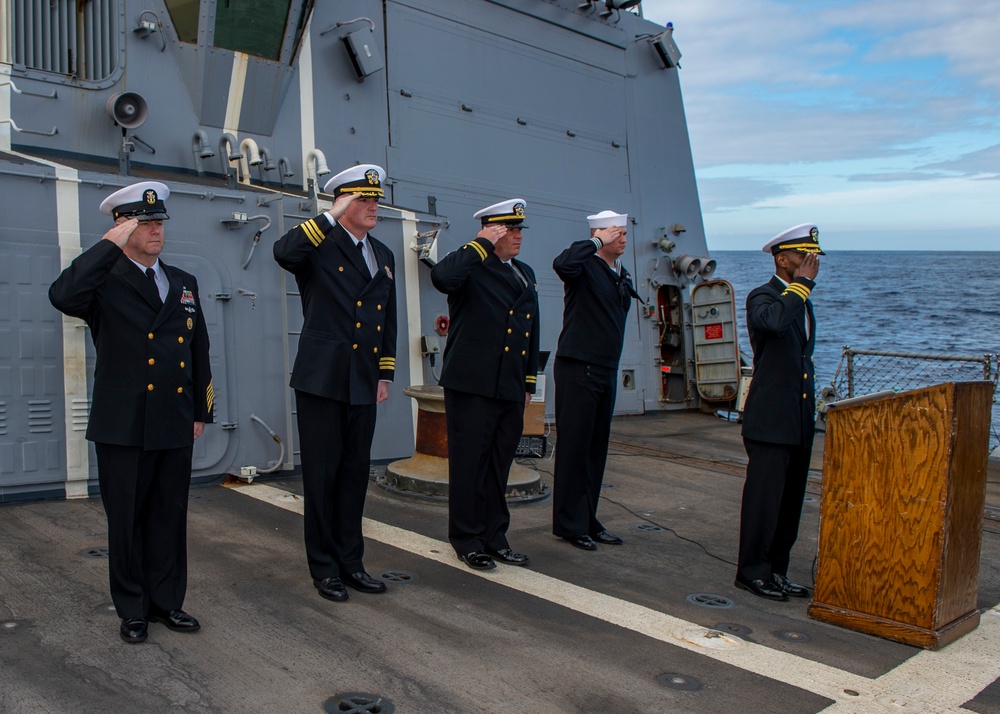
(425, 474)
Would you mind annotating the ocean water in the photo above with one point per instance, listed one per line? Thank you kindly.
(890, 301)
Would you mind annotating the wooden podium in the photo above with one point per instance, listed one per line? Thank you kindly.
(904, 486)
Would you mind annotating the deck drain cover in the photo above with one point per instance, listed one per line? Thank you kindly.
(357, 703)
(709, 600)
(673, 680)
(793, 636)
(98, 551)
(398, 576)
(733, 628)
(648, 527)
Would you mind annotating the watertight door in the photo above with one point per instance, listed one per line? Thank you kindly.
(716, 351)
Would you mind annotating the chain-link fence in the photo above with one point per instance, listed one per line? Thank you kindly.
(863, 372)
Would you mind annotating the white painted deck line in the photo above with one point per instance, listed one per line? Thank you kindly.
(932, 681)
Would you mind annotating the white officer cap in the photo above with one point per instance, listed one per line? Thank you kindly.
(608, 219)
(143, 200)
(364, 179)
(803, 238)
(510, 212)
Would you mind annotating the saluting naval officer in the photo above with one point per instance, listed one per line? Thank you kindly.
(779, 415)
(598, 295)
(152, 397)
(345, 362)
(489, 374)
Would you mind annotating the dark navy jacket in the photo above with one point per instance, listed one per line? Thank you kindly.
(348, 340)
(781, 404)
(492, 347)
(595, 305)
(152, 380)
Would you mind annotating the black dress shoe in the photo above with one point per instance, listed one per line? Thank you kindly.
(176, 620)
(478, 560)
(331, 589)
(134, 630)
(364, 582)
(608, 538)
(582, 541)
(761, 588)
(789, 588)
(508, 556)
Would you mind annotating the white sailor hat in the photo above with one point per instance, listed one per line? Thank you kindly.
(510, 212)
(803, 238)
(608, 219)
(143, 200)
(364, 179)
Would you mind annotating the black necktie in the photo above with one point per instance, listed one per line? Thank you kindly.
(151, 274)
(517, 273)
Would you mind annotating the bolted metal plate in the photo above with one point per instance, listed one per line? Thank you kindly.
(709, 600)
(398, 576)
(792, 636)
(97, 551)
(358, 703)
(648, 527)
(672, 680)
(733, 628)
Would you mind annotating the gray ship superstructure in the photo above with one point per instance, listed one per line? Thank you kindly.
(574, 106)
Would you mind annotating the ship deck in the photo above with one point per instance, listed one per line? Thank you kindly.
(652, 626)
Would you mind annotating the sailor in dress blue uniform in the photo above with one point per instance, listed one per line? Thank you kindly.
(152, 397)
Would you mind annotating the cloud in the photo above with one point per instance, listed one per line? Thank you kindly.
(721, 194)
(984, 163)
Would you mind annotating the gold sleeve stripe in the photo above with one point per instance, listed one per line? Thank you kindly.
(531, 379)
(313, 233)
(479, 249)
(798, 289)
(210, 396)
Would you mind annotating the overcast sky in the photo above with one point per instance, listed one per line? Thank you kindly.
(879, 120)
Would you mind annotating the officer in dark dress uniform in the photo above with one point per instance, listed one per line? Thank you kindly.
(489, 374)
(779, 416)
(598, 295)
(152, 397)
(345, 362)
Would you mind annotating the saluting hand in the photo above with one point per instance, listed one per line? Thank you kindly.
(808, 268)
(339, 207)
(121, 231)
(492, 233)
(606, 235)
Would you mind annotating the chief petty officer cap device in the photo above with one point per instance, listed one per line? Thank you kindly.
(608, 219)
(803, 238)
(143, 200)
(506, 213)
(363, 179)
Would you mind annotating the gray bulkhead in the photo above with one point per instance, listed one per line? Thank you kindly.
(478, 100)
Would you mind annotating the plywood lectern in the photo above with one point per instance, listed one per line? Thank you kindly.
(904, 485)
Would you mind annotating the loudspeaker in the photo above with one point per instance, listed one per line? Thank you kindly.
(708, 268)
(687, 266)
(128, 109)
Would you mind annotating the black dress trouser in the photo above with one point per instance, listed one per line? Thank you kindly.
(585, 404)
(772, 506)
(335, 440)
(145, 496)
(483, 434)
